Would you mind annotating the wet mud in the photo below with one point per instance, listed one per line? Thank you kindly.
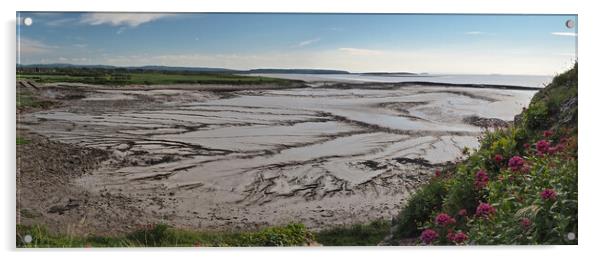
(243, 159)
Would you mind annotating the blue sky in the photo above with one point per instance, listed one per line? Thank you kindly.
(473, 44)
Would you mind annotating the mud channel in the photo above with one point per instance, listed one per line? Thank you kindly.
(243, 159)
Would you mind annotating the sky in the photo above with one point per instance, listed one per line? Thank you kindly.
(459, 44)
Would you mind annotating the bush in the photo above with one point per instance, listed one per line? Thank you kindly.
(356, 235)
(536, 117)
(526, 191)
(420, 207)
(290, 235)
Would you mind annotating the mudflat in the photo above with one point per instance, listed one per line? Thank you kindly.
(240, 158)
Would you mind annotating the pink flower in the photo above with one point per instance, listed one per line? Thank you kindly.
(525, 223)
(516, 163)
(525, 169)
(559, 147)
(548, 194)
(437, 173)
(428, 236)
(498, 158)
(443, 219)
(463, 212)
(542, 146)
(459, 237)
(481, 179)
(547, 133)
(564, 140)
(485, 210)
(526, 146)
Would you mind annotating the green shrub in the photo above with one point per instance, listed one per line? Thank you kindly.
(420, 207)
(536, 116)
(355, 235)
(290, 235)
(535, 203)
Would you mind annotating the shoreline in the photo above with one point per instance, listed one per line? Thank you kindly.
(325, 218)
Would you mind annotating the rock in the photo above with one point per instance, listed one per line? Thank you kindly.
(485, 122)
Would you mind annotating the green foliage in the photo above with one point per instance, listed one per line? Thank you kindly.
(420, 207)
(293, 234)
(522, 214)
(536, 117)
(161, 235)
(461, 194)
(355, 235)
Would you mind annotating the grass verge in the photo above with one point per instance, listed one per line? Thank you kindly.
(161, 235)
(355, 235)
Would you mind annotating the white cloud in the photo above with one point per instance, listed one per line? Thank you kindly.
(357, 51)
(121, 19)
(474, 33)
(308, 42)
(564, 34)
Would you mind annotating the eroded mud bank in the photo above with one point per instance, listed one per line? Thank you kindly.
(244, 159)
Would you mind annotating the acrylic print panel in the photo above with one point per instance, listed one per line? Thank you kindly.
(273, 129)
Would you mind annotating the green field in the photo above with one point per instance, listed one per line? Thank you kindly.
(150, 78)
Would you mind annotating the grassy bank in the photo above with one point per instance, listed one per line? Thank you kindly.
(149, 78)
(355, 235)
(519, 187)
(161, 235)
(164, 236)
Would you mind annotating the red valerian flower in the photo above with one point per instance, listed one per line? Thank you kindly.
(463, 212)
(428, 236)
(526, 146)
(485, 210)
(498, 158)
(459, 237)
(516, 163)
(542, 146)
(526, 169)
(525, 223)
(437, 173)
(564, 140)
(481, 179)
(443, 219)
(548, 194)
(547, 133)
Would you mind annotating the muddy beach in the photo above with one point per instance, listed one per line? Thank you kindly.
(241, 158)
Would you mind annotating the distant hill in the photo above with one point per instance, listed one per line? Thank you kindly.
(185, 69)
(391, 74)
(297, 71)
